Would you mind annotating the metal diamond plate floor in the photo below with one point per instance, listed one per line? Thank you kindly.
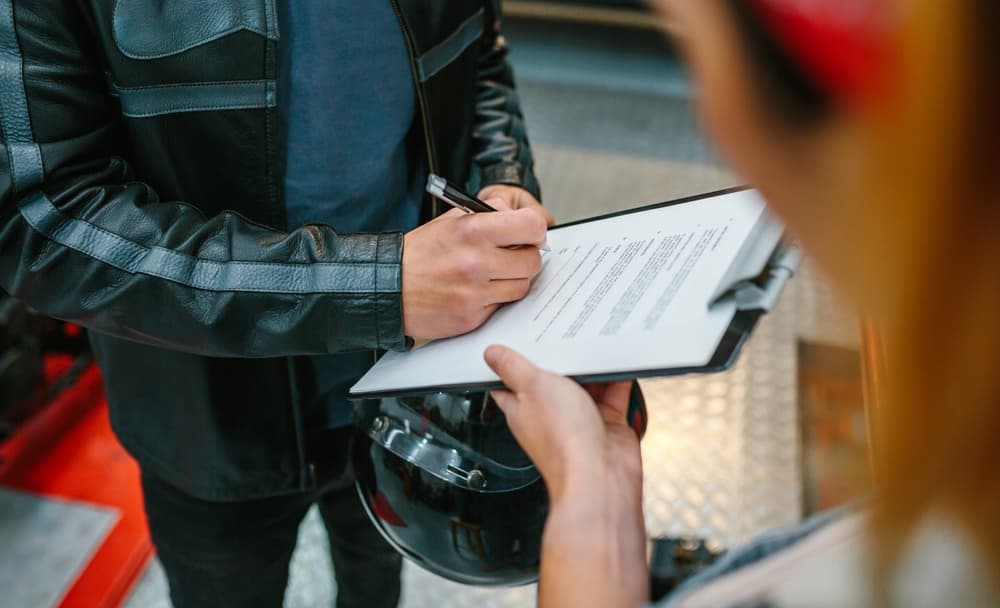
(721, 453)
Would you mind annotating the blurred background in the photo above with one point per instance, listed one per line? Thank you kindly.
(611, 118)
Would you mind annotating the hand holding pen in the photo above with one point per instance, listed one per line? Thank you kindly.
(460, 267)
(451, 194)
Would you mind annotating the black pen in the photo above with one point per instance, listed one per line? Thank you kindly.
(444, 190)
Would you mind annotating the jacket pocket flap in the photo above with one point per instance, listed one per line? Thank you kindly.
(150, 29)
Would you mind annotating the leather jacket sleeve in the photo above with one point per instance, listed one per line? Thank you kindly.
(502, 153)
(83, 239)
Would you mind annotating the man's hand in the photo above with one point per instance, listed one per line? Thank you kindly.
(511, 197)
(459, 268)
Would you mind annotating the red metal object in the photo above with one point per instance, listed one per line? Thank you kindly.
(40, 432)
(68, 451)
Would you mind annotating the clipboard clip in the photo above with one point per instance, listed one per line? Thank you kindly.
(762, 292)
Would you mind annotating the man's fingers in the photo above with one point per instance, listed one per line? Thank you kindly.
(516, 372)
(452, 213)
(513, 197)
(500, 203)
(508, 228)
(550, 220)
(538, 208)
(507, 290)
(488, 311)
(523, 263)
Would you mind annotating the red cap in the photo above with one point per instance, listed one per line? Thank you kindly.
(842, 44)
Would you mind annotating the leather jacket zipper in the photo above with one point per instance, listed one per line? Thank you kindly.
(421, 101)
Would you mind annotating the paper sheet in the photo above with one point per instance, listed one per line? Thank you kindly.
(627, 293)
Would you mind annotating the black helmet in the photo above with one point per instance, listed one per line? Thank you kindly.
(446, 483)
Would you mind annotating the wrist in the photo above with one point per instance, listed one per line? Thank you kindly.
(594, 546)
(595, 490)
(579, 474)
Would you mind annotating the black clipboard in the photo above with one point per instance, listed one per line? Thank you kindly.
(755, 299)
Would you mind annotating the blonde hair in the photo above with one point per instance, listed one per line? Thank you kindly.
(937, 186)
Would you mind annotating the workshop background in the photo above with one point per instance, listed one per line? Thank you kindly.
(611, 118)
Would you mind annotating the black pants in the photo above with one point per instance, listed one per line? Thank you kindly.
(236, 554)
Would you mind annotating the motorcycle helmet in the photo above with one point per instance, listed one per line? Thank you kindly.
(445, 482)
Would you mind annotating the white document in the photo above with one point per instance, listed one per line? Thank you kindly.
(630, 293)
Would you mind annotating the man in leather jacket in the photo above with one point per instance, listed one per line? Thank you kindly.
(170, 173)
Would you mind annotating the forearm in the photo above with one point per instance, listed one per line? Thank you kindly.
(594, 549)
(118, 261)
(84, 237)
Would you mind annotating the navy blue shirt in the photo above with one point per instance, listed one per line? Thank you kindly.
(347, 105)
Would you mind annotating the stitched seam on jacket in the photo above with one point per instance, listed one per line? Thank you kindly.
(184, 85)
(129, 256)
(24, 155)
(271, 20)
(148, 101)
(449, 49)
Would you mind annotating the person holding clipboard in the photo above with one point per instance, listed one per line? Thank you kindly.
(871, 128)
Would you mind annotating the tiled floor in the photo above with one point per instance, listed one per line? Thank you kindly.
(612, 127)
(44, 544)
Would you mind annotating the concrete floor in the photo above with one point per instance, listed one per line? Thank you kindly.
(611, 124)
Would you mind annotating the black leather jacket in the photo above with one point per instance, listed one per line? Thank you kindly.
(141, 198)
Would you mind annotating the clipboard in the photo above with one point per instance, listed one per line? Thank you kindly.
(755, 289)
